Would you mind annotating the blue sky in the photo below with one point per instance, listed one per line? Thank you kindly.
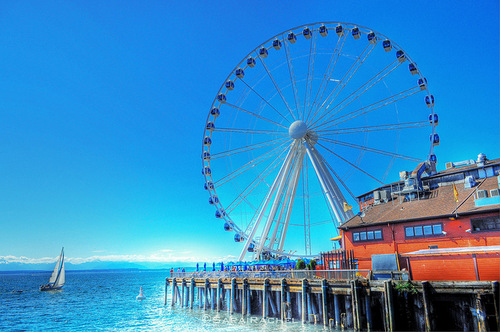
(104, 105)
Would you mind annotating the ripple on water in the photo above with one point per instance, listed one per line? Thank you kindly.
(106, 301)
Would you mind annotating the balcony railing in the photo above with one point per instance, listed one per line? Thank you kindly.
(286, 274)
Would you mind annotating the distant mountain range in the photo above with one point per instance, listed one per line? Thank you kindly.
(96, 265)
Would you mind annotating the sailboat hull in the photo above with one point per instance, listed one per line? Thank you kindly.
(49, 288)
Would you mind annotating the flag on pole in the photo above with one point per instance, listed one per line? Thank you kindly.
(455, 193)
(347, 207)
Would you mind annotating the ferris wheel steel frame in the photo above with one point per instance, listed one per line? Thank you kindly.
(309, 119)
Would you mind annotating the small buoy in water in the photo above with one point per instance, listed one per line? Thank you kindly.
(140, 296)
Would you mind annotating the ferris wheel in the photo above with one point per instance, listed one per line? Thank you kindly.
(309, 120)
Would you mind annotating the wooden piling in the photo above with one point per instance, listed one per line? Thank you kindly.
(166, 290)
(192, 293)
(233, 295)
(348, 317)
(183, 286)
(298, 298)
(289, 313)
(207, 289)
(337, 310)
(480, 314)
(310, 309)
(389, 304)
(212, 298)
(218, 297)
(265, 299)
(174, 285)
(249, 300)
(356, 305)
(496, 298)
(427, 305)
(272, 305)
(187, 293)
(304, 301)
(324, 301)
(368, 306)
(283, 299)
(244, 295)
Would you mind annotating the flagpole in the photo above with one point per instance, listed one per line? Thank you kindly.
(455, 195)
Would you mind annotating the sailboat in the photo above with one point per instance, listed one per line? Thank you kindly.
(58, 276)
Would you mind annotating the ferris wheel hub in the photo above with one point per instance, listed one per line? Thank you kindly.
(297, 130)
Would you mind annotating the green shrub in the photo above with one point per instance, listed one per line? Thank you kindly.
(301, 265)
(407, 287)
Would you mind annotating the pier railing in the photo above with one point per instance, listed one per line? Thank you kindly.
(287, 274)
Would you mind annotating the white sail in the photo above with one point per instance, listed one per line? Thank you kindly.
(62, 276)
(58, 277)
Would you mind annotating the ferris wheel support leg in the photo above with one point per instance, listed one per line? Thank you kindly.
(324, 184)
(276, 201)
(295, 183)
(265, 204)
(334, 188)
(289, 197)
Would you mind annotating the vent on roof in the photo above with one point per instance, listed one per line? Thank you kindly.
(469, 181)
(482, 194)
(448, 165)
(494, 192)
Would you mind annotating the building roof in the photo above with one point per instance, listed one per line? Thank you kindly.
(454, 251)
(461, 169)
(441, 203)
(449, 171)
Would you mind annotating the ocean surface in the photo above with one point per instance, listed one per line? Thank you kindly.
(106, 301)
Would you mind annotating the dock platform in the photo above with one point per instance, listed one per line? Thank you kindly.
(353, 303)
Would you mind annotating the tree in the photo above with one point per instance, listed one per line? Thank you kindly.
(301, 265)
(312, 265)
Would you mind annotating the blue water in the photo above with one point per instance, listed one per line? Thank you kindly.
(106, 301)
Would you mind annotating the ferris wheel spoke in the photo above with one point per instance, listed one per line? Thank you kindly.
(348, 162)
(267, 102)
(249, 148)
(242, 197)
(251, 131)
(359, 92)
(345, 79)
(364, 148)
(367, 109)
(394, 126)
(250, 165)
(307, 216)
(310, 74)
(329, 72)
(277, 88)
(292, 77)
(339, 179)
(257, 115)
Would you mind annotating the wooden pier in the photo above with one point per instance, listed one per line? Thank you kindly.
(358, 304)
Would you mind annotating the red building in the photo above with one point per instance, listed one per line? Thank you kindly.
(433, 236)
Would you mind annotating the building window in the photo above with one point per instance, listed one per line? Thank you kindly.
(367, 236)
(423, 231)
(486, 224)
